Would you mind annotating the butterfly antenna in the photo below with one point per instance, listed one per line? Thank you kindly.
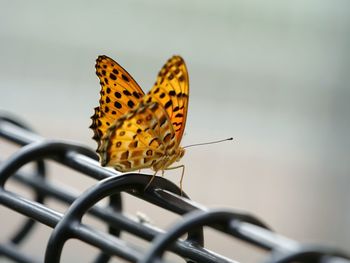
(204, 143)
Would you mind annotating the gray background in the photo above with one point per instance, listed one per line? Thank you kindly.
(272, 74)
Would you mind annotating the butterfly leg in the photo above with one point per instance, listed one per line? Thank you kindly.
(151, 180)
(182, 174)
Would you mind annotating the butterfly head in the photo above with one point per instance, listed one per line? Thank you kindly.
(179, 153)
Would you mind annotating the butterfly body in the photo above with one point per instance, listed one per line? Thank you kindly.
(135, 131)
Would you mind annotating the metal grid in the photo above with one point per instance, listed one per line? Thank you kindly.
(161, 193)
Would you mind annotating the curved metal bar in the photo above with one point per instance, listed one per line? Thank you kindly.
(307, 254)
(67, 227)
(82, 159)
(54, 149)
(9, 124)
(28, 224)
(37, 151)
(130, 224)
(220, 219)
(8, 117)
(38, 197)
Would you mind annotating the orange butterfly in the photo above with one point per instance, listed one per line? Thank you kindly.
(134, 130)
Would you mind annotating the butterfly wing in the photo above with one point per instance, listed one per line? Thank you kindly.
(171, 90)
(134, 131)
(119, 94)
(139, 139)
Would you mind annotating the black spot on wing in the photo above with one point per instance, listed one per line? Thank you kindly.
(126, 92)
(168, 104)
(112, 76)
(131, 104)
(117, 105)
(136, 95)
(125, 78)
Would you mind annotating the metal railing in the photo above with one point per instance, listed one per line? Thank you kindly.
(109, 184)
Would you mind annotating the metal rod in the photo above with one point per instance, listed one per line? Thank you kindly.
(161, 192)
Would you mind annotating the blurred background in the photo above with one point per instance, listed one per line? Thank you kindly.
(273, 75)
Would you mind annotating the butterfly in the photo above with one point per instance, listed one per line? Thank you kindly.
(134, 130)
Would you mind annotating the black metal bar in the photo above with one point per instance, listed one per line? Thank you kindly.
(262, 237)
(51, 218)
(121, 221)
(161, 192)
(45, 147)
(28, 224)
(37, 151)
(80, 206)
(15, 130)
(217, 219)
(108, 243)
(229, 222)
(29, 208)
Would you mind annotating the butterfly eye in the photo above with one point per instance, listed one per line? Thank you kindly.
(182, 153)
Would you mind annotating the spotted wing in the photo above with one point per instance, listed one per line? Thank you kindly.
(119, 94)
(171, 90)
(139, 139)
